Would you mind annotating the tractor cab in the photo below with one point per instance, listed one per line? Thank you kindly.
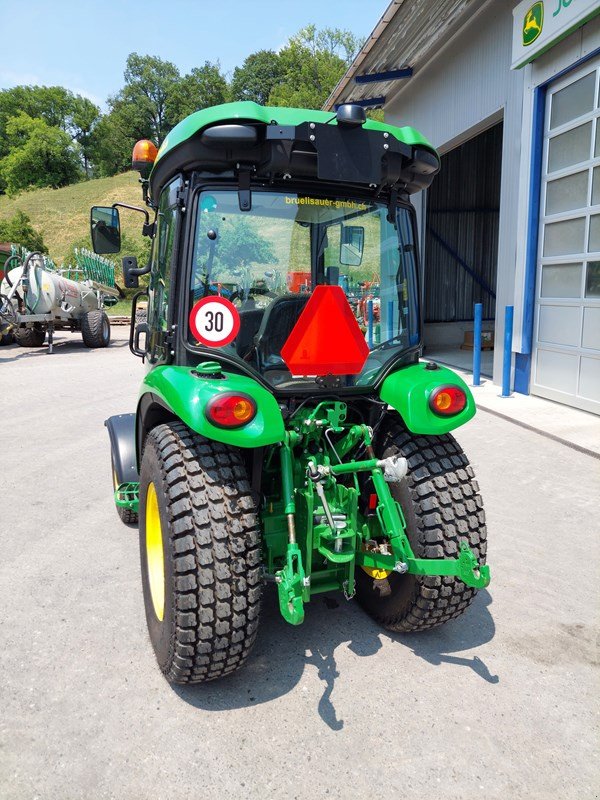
(257, 208)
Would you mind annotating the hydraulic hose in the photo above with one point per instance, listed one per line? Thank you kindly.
(7, 262)
(25, 269)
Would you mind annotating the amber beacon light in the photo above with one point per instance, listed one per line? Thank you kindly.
(144, 156)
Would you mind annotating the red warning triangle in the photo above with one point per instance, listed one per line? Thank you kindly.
(326, 340)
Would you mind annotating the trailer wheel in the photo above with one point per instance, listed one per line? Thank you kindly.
(442, 507)
(95, 329)
(127, 516)
(31, 337)
(200, 555)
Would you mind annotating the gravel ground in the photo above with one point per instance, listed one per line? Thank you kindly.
(501, 703)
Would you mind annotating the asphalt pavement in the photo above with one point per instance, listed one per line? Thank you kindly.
(502, 703)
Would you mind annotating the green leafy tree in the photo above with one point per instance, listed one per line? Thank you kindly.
(313, 62)
(50, 103)
(56, 106)
(240, 245)
(84, 116)
(113, 137)
(149, 82)
(260, 73)
(19, 230)
(53, 104)
(41, 156)
(141, 110)
(203, 87)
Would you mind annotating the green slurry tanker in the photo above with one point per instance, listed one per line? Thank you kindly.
(286, 430)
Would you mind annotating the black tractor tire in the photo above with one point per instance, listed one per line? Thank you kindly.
(95, 329)
(442, 508)
(211, 552)
(126, 515)
(6, 339)
(31, 337)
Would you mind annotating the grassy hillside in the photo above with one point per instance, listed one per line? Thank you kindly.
(62, 215)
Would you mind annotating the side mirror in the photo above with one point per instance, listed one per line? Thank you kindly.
(105, 229)
(352, 242)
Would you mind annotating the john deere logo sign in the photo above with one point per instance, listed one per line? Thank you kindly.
(539, 26)
(533, 23)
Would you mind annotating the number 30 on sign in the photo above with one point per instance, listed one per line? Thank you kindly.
(214, 321)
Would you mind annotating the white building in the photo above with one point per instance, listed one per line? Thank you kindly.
(509, 94)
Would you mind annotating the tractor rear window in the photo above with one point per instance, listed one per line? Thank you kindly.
(256, 271)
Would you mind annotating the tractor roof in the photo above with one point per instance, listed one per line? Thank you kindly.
(247, 111)
(303, 145)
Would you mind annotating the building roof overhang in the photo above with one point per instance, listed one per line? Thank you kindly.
(408, 35)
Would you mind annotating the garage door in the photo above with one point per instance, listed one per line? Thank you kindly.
(566, 364)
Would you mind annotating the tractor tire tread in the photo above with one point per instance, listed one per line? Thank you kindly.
(127, 516)
(92, 329)
(30, 337)
(448, 510)
(215, 538)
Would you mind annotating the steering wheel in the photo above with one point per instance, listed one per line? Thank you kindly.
(239, 296)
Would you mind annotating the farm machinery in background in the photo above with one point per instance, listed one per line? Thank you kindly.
(5, 253)
(37, 298)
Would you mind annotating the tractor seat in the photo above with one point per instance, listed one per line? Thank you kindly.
(250, 319)
(275, 328)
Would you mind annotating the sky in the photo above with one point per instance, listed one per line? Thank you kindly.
(83, 44)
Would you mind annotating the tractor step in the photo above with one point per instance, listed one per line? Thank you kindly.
(127, 495)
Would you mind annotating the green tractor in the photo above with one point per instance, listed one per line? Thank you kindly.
(286, 430)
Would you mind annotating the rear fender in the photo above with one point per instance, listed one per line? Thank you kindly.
(408, 391)
(121, 431)
(172, 392)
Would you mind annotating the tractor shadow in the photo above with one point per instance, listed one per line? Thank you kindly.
(282, 652)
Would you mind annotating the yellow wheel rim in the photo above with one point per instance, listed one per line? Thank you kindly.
(377, 574)
(154, 553)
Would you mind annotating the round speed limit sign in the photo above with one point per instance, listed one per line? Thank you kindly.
(214, 321)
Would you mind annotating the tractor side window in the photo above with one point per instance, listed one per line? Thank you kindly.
(160, 276)
(364, 256)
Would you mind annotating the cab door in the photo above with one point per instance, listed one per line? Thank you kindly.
(164, 254)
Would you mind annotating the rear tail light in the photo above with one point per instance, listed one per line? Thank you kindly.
(447, 401)
(230, 410)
